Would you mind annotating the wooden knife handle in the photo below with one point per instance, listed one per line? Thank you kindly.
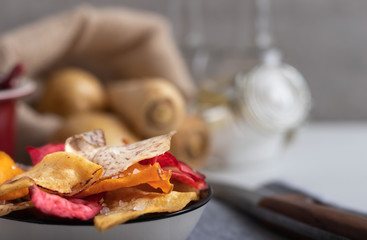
(309, 211)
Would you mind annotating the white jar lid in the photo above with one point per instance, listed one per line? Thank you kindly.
(274, 95)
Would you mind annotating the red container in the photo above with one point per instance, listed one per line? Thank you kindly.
(8, 98)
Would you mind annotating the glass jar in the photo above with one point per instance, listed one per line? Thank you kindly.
(264, 107)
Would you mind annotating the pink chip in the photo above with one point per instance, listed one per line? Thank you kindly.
(52, 204)
(37, 154)
(184, 174)
(188, 180)
(187, 169)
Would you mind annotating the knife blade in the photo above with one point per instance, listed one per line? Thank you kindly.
(295, 214)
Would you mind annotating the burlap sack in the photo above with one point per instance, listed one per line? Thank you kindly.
(113, 43)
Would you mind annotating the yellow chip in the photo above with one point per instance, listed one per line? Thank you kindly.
(135, 175)
(63, 173)
(11, 207)
(14, 186)
(129, 203)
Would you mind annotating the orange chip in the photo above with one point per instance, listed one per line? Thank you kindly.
(166, 186)
(133, 176)
(8, 170)
(126, 204)
(63, 173)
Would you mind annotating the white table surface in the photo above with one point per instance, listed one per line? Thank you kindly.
(328, 160)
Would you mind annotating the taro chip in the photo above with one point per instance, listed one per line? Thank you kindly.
(86, 144)
(7, 208)
(129, 203)
(51, 204)
(37, 154)
(135, 175)
(60, 172)
(8, 170)
(116, 159)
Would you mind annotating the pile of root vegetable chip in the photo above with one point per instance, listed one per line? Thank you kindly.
(85, 179)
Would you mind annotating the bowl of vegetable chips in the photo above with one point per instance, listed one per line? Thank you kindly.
(85, 189)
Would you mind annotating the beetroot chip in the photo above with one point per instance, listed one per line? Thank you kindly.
(52, 204)
(37, 154)
(184, 173)
(165, 160)
(188, 180)
(197, 176)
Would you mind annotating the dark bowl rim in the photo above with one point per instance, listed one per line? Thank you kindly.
(205, 196)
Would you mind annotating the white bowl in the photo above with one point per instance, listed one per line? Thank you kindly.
(169, 226)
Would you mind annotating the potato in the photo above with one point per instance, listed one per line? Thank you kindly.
(192, 142)
(71, 90)
(115, 131)
(151, 106)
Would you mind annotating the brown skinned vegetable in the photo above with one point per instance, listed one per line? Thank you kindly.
(71, 90)
(150, 106)
(115, 131)
(191, 143)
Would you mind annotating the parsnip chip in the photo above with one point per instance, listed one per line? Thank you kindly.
(133, 176)
(116, 159)
(8, 170)
(11, 207)
(63, 173)
(129, 203)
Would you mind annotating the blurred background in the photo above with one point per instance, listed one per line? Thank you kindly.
(325, 40)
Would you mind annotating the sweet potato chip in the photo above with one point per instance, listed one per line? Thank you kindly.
(129, 203)
(11, 207)
(116, 159)
(135, 175)
(52, 204)
(63, 173)
(166, 186)
(8, 170)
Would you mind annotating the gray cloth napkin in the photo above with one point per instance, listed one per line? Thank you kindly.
(221, 221)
